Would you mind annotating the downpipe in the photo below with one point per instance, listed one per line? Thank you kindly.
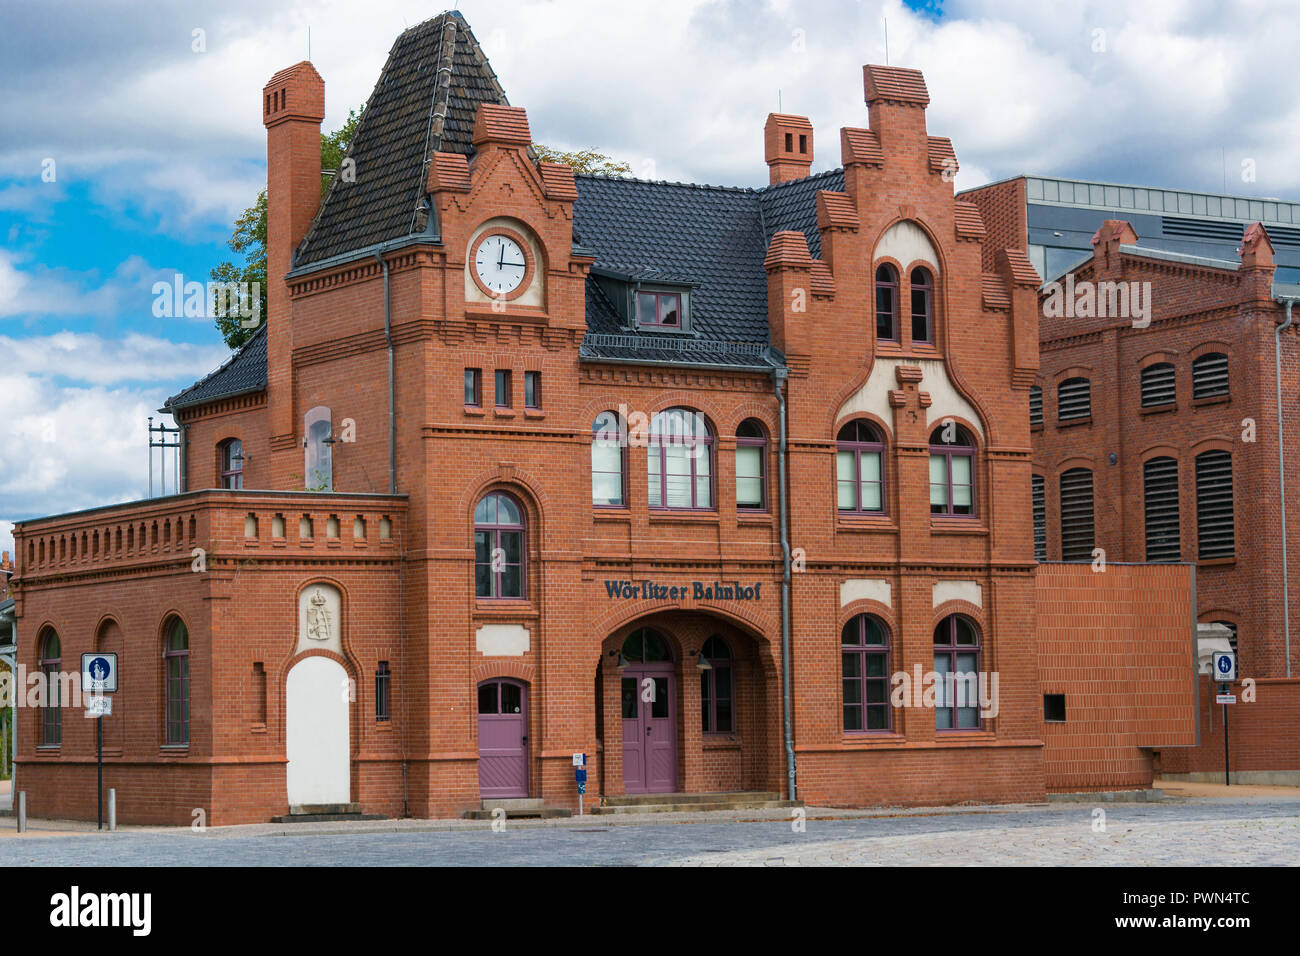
(392, 385)
(1288, 301)
(779, 380)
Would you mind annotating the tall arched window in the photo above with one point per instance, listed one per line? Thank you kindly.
(956, 665)
(864, 663)
(751, 466)
(318, 461)
(859, 468)
(51, 709)
(886, 303)
(498, 547)
(176, 661)
(231, 452)
(1160, 503)
(952, 471)
(608, 456)
(1073, 400)
(1215, 529)
(922, 305)
(717, 692)
(1078, 528)
(680, 460)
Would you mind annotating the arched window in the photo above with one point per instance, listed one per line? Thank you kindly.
(1078, 529)
(1160, 503)
(498, 547)
(1159, 385)
(751, 466)
(956, 665)
(51, 706)
(231, 452)
(859, 468)
(645, 645)
(1038, 493)
(176, 660)
(922, 305)
(1073, 400)
(952, 471)
(680, 460)
(717, 692)
(1215, 534)
(1035, 405)
(608, 455)
(886, 303)
(318, 462)
(1210, 375)
(864, 663)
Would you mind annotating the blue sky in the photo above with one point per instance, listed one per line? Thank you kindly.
(150, 111)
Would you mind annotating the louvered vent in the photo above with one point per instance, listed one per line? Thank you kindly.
(1040, 518)
(1077, 537)
(1215, 535)
(1159, 383)
(1210, 375)
(1202, 229)
(1073, 399)
(1035, 405)
(1160, 480)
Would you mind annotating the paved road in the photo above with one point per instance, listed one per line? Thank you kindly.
(1226, 832)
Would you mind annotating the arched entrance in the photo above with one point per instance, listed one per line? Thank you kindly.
(317, 740)
(649, 711)
(502, 738)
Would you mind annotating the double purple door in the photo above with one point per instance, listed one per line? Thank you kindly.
(502, 739)
(649, 730)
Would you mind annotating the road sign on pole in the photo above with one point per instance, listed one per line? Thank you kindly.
(98, 673)
(99, 677)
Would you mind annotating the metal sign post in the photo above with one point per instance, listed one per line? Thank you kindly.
(580, 776)
(99, 675)
(1225, 671)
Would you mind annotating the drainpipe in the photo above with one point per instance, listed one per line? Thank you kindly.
(1289, 301)
(392, 386)
(778, 379)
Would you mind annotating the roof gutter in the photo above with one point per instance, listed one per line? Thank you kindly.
(1288, 301)
(779, 380)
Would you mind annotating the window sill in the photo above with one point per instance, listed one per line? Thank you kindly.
(753, 517)
(610, 513)
(49, 750)
(852, 523)
(475, 410)
(720, 742)
(1158, 409)
(1216, 562)
(174, 750)
(1072, 422)
(957, 524)
(862, 738)
(1211, 400)
(1035, 428)
(667, 516)
(963, 736)
(534, 413)
(503, 412)
(514, 607)
(257, 729)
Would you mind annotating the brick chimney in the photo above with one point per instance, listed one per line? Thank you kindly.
(787, 146)
(896, 101)
(293, 105)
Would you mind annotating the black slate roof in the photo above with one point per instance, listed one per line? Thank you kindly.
(425, 102)
(244, 371)
(713, 238)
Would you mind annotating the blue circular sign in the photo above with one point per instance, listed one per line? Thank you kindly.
(1225, 663)
(99, 669)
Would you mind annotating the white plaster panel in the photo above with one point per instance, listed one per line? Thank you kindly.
(946, 401)
(969, 591)
(906, 242)
(320, 619)
(865, 589)
(502, 640)
(316, 733)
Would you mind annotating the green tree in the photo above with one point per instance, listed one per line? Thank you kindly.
(589, 160)
(249, 242)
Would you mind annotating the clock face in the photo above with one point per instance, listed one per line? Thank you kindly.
(500, 264)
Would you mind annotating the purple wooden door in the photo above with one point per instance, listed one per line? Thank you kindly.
(502, 739)
(649, 730)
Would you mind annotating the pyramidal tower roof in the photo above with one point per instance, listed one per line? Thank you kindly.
(424, 102)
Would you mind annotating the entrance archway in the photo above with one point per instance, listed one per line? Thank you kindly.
(317, 740)
(649, 712)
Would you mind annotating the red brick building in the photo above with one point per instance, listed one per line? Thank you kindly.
(1156, 424)
(525, 464)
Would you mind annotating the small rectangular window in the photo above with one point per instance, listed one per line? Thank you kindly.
(663, 309)
(803, 142)
(532, 389)
(502, 397)
(383, 691)
(789, 142)
(473, 387)
(1054, 708)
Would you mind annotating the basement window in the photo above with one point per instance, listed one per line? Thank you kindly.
(1054, 708)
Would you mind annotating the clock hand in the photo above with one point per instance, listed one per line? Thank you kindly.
(501, 260)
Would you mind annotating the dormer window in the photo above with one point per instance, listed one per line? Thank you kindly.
(659, 310)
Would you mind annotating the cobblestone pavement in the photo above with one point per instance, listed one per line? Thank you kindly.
(1261, 831)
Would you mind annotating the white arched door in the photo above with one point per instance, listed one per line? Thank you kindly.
(316, 733)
